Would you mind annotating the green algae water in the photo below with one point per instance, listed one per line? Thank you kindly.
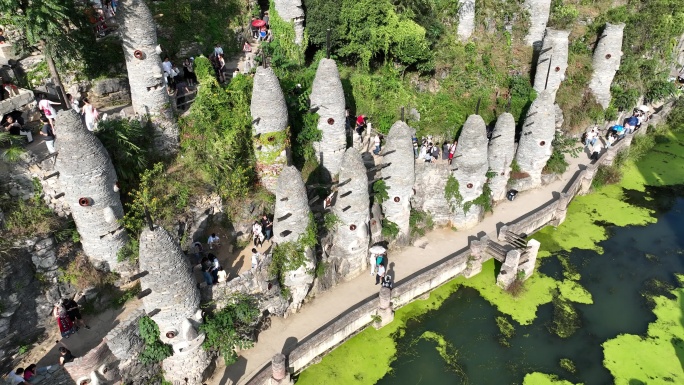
(606, 304)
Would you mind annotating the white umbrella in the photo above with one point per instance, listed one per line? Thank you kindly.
(644, 108)
(377, 249)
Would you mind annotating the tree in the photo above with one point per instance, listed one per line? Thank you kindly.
(321, 15)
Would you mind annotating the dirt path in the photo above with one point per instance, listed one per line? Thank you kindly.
(286, 332)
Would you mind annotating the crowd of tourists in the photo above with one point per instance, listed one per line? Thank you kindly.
(596, 144)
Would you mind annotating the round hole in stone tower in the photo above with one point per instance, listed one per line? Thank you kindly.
(352, 227)
(373, 222)
(85, 202)
(469, 185)
(138, 54)
(271, 138)
(170, 334)
(557, 69)
(397, 199)
(608, 56)
(542, 143)
(84, 382)
(331, 121)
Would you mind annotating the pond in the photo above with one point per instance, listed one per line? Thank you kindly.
(605, 305)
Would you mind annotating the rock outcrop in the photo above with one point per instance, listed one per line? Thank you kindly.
(270, 135)
(292, 218)
(500, 155)
(348, 257)
(400, 176)
(173, 301)
(534, 147)
(466, 19)
(292, 11)
(539, 16)
(554, 51)
(606, 62)
(470, 170)
(327, 97)
(91, 190)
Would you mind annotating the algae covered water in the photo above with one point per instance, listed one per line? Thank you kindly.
(606, 304)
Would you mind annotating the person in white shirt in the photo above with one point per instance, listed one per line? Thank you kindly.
(45, 106)
(222, 275)
(256, 234)
(255, 258)
(17, 377)
(213, 240)
(380, 275)
(376, 140)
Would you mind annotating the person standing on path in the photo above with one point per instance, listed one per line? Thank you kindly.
(213, 240)
(49, 135)
(381, 274)
(267, 227)
(206, 268)
(74, 313)
(66, 327)
(257, 236)
(90, 113)
(45, 106)
(255, 258)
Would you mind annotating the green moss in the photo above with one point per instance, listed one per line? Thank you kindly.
(537, 378)
(447, 351)
(272, 145)
(568, 365)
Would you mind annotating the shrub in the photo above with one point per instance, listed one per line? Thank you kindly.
(452, 193)
(380, 191)
(81, 273)
(231, 327)
(390, 230)
(290, 256)
(606, 175)
(562, 15)
(660, 89)
(154, 351)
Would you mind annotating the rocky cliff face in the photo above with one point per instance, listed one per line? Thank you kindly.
(470, 170)
(400, 176)
(553, 60)
(606, 62)
(500, 155)
(430, 183)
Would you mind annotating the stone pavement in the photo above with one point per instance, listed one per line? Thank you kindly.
(285, 333)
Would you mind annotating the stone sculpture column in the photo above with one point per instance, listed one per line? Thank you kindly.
(466, 19)
(279, 374)
(385, 307)
(429, 187)
(270, 134)
(327, 97)
(500, 154)
(91, 190)
(401, 177)
(138, 32)
(539, 15)
(606, 62)
(349, 252)
(555, 51)
(470, 170)
(174, 300)
(291, 220)
(527, 267)
(292, 11)
(509, 269)
(534, 148)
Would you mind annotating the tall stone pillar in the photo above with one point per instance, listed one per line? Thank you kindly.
(606, 62)
(470, 170)
(500, 155)
(279, 374)
(534, 148)
(539, 16)
(401, 177)
(554, 51)
(90, 188)
(477, 251)
(528, 266)
(174, 300)
(292, 11)
(385, 307)
(327, 96)
(352, 207)
(291, 220)
(509, 269)
(270, 135)
(138, 32)
(466, 19)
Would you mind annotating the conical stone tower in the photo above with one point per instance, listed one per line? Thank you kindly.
(470, 170)
(500, 155)
(553, 61)
(270, 134)
(606, 62)
(402, 175)
(327, 96)
(91, 190)
(173, 302)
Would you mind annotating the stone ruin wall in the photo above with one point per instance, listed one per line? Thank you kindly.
(606, 62)
(327, 96)
(470, 170)
(290, 221)
(539, 11)
(400, 177)
(555, 51)
(534, 147)
(500, 155)
(90, 186)
(269, 112)
(292, 11)
(349, 253)
(466, 19)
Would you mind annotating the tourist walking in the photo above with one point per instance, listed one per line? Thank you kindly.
(256, 257)
(377, 141)
(49, 135)
(213, 240)
(66, 326)
(267, 227)
(452, 151)
(257, 236)
(381, 274)
(206, 268)
(90, 113)
(74, 313)
(45, 106)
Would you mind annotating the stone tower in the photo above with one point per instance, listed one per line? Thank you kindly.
(400, 176)
(292, 11)
(138, 32)
(174, 304)
(470, 170)
(534, 147)
(539, 16)
(327, 96)
(606, 62)
(291, 220)
(466, 19)
(90, 188)
(270, 135)
(500, 154)
(555, 50)
(352, 234)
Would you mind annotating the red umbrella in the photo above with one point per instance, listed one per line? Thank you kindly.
(258, 23)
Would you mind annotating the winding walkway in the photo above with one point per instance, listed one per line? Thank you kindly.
(285, 333)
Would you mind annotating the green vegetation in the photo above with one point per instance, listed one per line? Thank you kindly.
(448, 353)
(390, 230)
(81, 274)
(330, 220)
(484, 200)
(129, 252)
(290, 256)
(506, 330)
(231, 327)
(380, 191)
(420, 222)
(562, 145)
(154, 351)
(568, 365)
(544, 379)
(452, 193)
(565, 318)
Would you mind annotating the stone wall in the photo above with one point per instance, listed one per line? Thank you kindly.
(539, 11)
(98, 366)
(553, 60)
(90, 189)
(109, 92)
(400, 177)
(606, 62)
(500, 155)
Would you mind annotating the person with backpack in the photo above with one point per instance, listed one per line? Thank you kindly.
(381, 274)
(73, 312)
(45, 106)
